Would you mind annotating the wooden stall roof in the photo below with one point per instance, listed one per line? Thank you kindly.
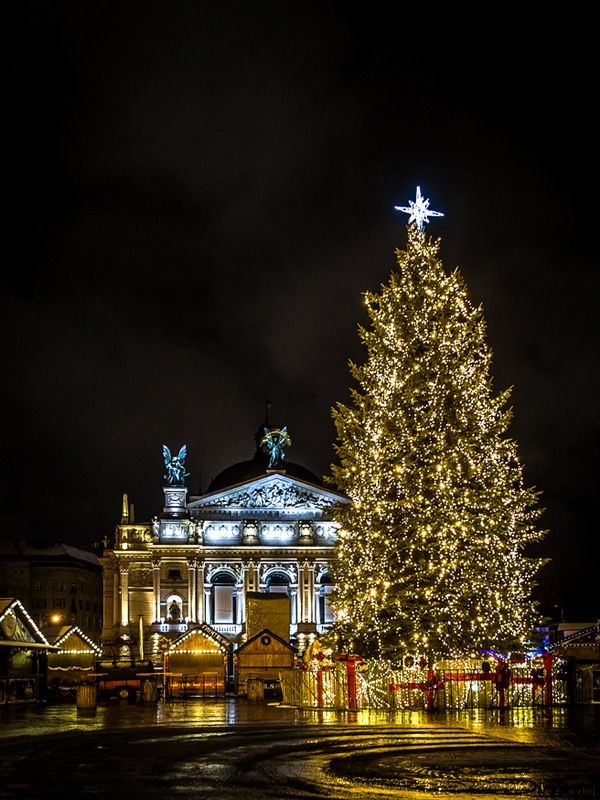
(17, 627)
(585, 637)
(259, 638)
(73, 632)
(219, 641)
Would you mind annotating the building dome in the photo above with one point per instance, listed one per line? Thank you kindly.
(258, 466)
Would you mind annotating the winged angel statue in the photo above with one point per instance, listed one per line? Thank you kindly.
(273, 442)
(175, 474)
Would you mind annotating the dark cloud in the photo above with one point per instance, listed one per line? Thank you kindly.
(200, 194)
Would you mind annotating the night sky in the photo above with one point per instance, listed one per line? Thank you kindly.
(199, 193)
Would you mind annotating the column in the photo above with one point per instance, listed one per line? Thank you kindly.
(124, 596)
(192, 568)
(240, 604)
(156, 588)
(199, 592)
(294, 598)
(307, 583)
(207, 612)
(116, 612)
(315, 603)
(251, 577)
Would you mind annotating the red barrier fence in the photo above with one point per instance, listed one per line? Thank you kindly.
(352, 683)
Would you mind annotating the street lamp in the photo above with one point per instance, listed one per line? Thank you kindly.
(45, 620)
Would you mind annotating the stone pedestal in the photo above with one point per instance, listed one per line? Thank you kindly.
(175, 501)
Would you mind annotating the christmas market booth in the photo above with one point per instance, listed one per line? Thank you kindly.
(197, 663)
(260, 665)
(579, 644)
(23, 655)
(73, 662)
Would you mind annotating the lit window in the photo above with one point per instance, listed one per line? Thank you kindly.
(224, 598)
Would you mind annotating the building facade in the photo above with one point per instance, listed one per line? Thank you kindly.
(264, 526)
(59, 584)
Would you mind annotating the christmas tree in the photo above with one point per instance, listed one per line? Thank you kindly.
(431, 551)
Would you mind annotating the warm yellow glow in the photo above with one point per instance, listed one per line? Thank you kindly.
(76, 652)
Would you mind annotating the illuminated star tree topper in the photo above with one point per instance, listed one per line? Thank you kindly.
(418, 210)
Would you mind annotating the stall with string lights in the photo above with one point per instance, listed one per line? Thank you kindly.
(23, 655)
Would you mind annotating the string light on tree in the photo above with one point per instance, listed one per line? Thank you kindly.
(431, 558)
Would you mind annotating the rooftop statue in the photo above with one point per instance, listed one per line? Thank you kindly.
(175, 474)
(273, 442)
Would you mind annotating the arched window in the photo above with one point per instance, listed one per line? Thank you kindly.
(326, 615)
(224, 598)
(278, 582)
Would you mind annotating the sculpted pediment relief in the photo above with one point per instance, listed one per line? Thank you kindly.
(271, 493)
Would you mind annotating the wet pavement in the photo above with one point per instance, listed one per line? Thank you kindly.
(234, 748)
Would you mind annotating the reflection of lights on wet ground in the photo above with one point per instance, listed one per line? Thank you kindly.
(193, 749)
(525, 725)
(522, 725)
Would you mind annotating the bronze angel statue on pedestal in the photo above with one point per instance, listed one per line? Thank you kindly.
(175, 474)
